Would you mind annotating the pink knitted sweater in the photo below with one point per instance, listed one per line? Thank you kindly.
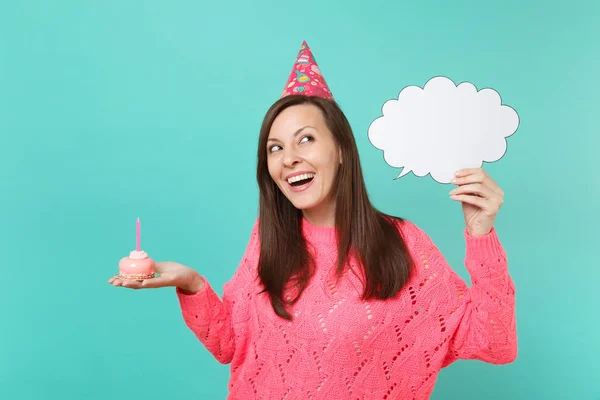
(339, 347)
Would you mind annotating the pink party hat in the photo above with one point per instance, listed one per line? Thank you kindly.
(306, 78)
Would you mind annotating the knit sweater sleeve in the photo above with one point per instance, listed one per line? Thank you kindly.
(481, 319)
(209, 317)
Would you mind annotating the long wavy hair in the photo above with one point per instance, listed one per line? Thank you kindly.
(363, 232)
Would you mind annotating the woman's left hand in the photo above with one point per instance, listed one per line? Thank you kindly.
(481, 199)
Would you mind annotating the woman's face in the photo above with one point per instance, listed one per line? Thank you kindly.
(303, 159)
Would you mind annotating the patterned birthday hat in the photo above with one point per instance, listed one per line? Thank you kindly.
(306, 78)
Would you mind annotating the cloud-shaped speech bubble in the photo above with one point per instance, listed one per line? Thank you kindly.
(442, 128)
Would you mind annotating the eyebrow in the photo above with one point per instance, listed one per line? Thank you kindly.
(295, 133)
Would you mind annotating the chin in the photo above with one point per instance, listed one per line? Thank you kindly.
(303, 204)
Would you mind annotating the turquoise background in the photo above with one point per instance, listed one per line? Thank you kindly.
(120, 109)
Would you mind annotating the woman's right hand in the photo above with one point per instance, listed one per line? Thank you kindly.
(169, 274)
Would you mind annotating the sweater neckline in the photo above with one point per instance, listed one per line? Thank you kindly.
(320, 234)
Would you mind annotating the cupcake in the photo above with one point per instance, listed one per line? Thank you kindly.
(137, 266)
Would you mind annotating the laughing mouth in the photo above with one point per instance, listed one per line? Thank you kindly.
(300, 180)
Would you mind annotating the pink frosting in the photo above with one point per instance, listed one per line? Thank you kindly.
(138, 254)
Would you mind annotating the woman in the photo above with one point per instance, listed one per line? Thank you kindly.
(333, 298)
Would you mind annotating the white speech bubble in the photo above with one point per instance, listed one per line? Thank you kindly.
(442, 127)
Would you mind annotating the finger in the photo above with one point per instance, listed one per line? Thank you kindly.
(477, 175)
(474, 200)
(117, 281)
(156, 282)
(469, 171)
(474, 175)
(474, 188)
(132, 283)
(488, 206)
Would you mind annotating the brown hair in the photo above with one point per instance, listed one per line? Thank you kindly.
(363, 231)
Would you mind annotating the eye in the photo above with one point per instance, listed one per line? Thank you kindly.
(307, 137)
(273, 148)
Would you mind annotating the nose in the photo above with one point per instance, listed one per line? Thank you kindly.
(290, 158)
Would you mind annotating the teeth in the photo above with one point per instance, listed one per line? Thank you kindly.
(300, 177)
